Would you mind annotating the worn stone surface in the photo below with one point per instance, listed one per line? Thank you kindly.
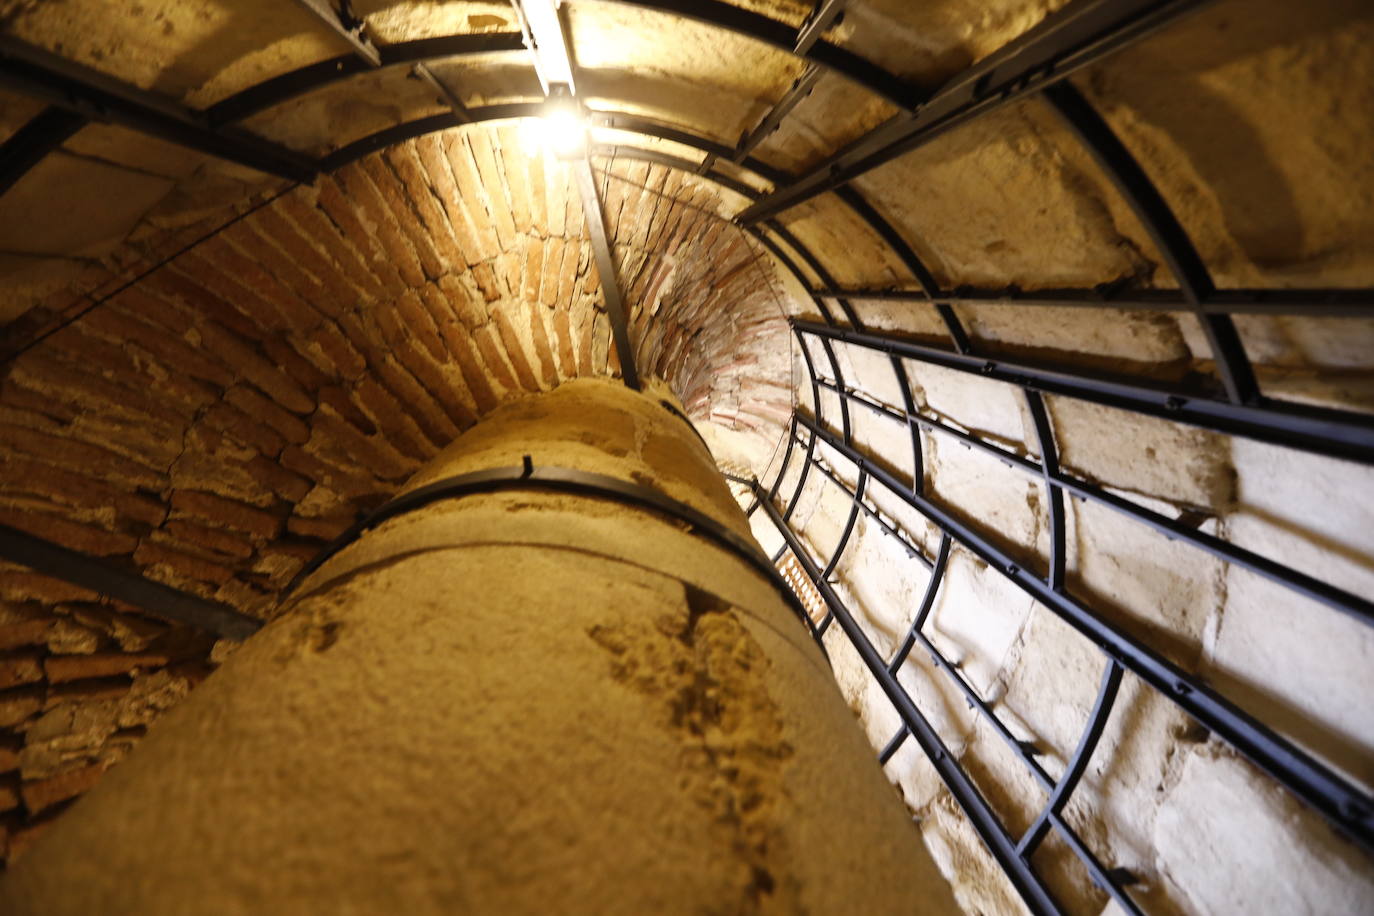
(79, 207)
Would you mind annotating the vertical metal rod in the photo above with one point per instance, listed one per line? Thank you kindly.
(605, 268)
(810, 440)
(1078, 763)
(856, 499)
(937, 575)
(1049, 466)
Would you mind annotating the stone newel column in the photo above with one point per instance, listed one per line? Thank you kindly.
(515, 701)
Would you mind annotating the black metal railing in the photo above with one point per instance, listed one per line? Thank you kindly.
(1344, 804)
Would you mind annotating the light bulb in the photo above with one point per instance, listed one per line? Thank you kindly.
(561, 130)
(565, 132)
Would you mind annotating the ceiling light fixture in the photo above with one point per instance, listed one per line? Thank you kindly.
(561, 129)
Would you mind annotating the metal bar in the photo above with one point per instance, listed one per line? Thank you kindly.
(1354, 606)
(970, 800)
(914, 634)
(811, 261)
(893, 745)
(409, 130)
(553, 58)
(548, 44)
(1049, 465)
(1347, 807)
(786, 459)
(79, 569)
(1078, 763)
(937, 575)
(847, 431)
(93, 95)
(1077, 35)
(342, 23)
(808, 460)
(1025, 751)
(912, 551)
(821, 18)
(816, 266)
(747, 482)
(528, 476)
(1010, 459)
(889, 234)
(606, 269)
(399, 133)
(787, 263)
(1306, 302)
(784, 37)
(449, 97)
(1130, 180)
(798, 91)
(1325, 431)
(1103, 878)
(667, 160)
(1022, 749)
(281, 89)
(650, 128)
(856, 498)
(29, 144)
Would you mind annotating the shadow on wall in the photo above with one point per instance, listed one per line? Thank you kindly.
(1282, 53)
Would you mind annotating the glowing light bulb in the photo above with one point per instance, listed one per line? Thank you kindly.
(561, 130)
(565, 132)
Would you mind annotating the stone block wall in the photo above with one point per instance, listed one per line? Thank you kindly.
(1200, 828)
(1244, 117)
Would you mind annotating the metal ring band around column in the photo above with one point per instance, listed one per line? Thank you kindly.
(564, 480)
